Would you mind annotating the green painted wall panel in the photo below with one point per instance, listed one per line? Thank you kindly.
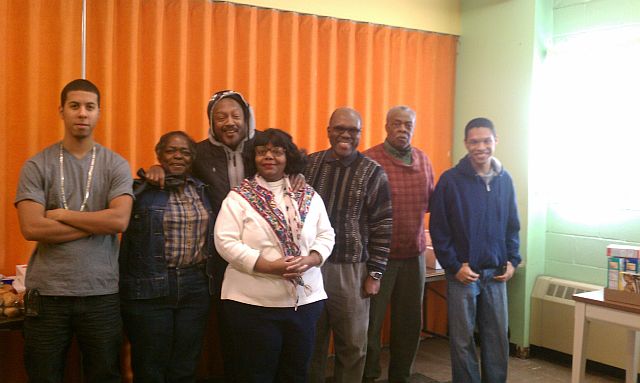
(561, 248)
(579, 273)
(591, 252)
(576, 17)
(625, 228)
(561, 220)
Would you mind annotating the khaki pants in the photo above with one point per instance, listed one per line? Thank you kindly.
(346, 313)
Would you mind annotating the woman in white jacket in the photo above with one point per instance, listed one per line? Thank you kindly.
(275, 239)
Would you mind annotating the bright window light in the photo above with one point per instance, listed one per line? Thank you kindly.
(589, 143)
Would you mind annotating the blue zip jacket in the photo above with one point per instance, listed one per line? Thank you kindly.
(474, 222)
(143, 268)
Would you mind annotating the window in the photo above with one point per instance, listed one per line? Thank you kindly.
(588, 143)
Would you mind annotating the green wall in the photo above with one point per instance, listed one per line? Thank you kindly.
(502, 46)
(574, 16)
(575, 248)
(497, 57)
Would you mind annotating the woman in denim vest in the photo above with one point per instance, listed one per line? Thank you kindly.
(164, 285)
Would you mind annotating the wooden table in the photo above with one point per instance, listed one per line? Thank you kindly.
(7, 324)
(433, 275)
(591, 306)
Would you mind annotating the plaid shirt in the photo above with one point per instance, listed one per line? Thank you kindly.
(185, 227)
(411, 187)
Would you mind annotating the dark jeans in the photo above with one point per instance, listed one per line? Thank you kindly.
(272, 344)
(96, 323)
(218, 266)
(166, 333)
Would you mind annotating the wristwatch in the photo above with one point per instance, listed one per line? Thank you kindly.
(375, 275)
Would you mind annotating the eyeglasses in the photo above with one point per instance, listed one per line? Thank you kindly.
(276, 151)
(343, 129)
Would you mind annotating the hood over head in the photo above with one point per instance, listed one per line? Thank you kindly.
(249, 118)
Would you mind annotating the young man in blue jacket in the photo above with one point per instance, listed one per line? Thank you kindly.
(474, 227)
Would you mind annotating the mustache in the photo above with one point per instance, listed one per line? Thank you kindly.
(230, 128)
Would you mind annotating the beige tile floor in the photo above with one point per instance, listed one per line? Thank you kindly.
(433, 361)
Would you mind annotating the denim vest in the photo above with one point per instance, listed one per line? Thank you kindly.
(143, 268)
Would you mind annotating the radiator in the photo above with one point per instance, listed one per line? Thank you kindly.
(552, 322)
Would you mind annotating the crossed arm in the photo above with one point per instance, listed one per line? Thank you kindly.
(60, 225)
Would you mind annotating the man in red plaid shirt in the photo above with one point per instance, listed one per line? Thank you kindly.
(411, 180)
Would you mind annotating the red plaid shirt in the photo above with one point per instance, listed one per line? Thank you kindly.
(411, 187)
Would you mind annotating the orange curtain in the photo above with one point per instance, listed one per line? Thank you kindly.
(157, 62)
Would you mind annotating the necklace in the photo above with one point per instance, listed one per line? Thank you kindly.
(89, 178)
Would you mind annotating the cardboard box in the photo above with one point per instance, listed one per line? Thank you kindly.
(430, 255)
(614, 266)
(623, 251)
(431, 261)
(622, 297)
(631, 265)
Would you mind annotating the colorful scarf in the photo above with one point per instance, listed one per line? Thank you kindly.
(286, 225)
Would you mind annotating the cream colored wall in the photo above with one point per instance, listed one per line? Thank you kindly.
(428, 15)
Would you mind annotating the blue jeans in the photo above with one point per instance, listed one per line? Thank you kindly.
(272, 344)
(483, 304)
(96, 323)
(166, 333)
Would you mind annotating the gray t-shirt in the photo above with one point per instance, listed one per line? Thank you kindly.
(87, 266)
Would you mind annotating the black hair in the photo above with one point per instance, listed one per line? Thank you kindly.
(79, 84)
(479, 122)
(164, 139)
(296, 158)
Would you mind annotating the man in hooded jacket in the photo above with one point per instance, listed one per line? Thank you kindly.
(219, 161)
